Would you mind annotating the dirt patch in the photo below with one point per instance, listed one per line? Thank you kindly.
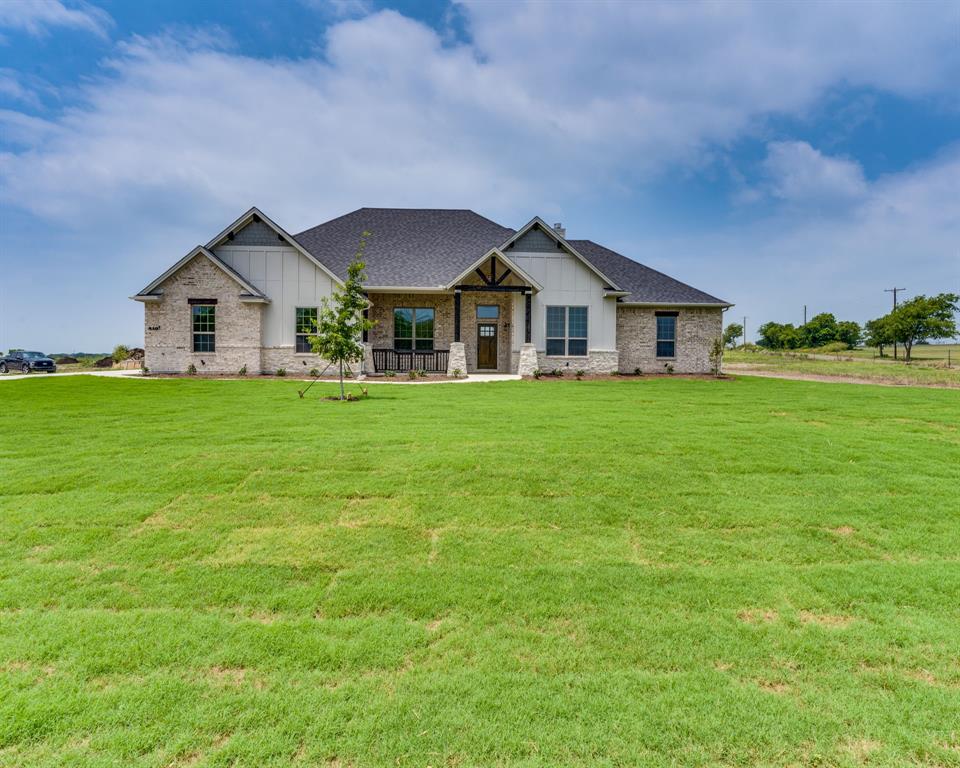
(570, 375)
(757, 616)
(235, 676)
(844, 530)
(773, 687)
(860, 749)
(722, 666)
(744, 369)
(824, 620)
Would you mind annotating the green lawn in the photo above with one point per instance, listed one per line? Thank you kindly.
(656, 572)
(923, 371)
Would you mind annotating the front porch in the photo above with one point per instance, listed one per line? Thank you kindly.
(471, 326)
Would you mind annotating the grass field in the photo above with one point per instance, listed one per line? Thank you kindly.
(927, 371)
(655, 572)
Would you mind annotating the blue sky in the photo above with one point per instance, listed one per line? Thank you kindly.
(775, 154)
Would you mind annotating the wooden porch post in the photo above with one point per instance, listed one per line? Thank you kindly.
(527, 301)
(456, 316)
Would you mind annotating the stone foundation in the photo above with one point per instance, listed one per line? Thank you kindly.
(296, 363)
(597, 361)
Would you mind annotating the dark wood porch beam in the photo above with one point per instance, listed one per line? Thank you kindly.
(504, 276)
(528, 297)
(493, 269)
(456, 315)
(486, 280)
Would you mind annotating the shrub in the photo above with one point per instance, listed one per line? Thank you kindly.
(637, 372)
(537, 373)
(315, 373)
(558, 372)
(580, 373)
(242, 371)
(191, 370)
(143, 369)
(120, 353)
(669, 367)
(412, 374)
(389, 374)
(281, 371)
(457, 373)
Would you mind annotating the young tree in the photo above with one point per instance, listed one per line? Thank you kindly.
(878, 333)
(731, 333)
(922, 319)
(120, 353)
(340, 323)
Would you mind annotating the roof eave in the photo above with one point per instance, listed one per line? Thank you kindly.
(704, 304)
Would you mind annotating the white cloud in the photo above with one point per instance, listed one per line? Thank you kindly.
(800, 174)
(36, 17)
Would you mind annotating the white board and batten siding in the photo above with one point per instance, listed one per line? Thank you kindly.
(288, 277)
(566, 282)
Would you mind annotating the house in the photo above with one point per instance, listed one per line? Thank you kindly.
(448, 289)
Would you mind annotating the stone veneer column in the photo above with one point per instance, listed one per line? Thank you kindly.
(528, 360)
(457, 358)
(368, 367)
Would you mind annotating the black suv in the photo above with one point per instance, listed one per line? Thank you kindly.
(26, 362)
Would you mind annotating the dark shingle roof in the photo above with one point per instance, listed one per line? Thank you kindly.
(643, 283)
(426, 248)
(407, 246)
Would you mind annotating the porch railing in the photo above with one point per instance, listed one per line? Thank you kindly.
(403, 360)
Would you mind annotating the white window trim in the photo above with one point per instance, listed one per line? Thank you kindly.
(566, 330)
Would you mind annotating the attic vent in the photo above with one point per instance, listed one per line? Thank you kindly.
(558, 228)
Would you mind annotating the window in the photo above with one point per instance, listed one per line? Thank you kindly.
(488, 311)
(204, 327)
(306, 327)
(413, 328)
(567, 331)
(667, 334)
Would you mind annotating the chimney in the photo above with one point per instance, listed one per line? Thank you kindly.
(558, 228)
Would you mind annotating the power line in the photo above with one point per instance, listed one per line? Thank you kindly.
(894, 291)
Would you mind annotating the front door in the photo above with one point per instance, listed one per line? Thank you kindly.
(487, 346)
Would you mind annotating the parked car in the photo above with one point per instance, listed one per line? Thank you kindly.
(24, 362)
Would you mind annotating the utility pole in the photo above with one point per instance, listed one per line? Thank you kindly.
(894, 291)
(744, 331)
(804, 314)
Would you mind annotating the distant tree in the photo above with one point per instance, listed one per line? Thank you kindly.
(849, 333)
(878, 333)
(822, 329)
(731, 333)
(778, 336)
(922, 319)
(340, 323)
(120, 353)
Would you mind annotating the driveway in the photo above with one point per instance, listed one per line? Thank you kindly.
(115, 374)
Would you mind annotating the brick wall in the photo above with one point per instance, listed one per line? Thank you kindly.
(637, 337)
(168, 332)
